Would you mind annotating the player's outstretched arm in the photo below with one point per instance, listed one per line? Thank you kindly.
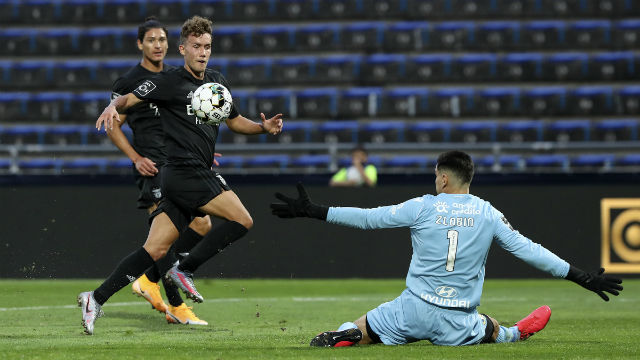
(242, 125)
(300, 207)
(117, 105)
(595, 281)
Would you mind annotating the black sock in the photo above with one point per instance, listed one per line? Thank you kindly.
(173, 295)
(164, 264)
(167, 261)
(129, 269)
(188, 240)
(153, 274)
(215, 241)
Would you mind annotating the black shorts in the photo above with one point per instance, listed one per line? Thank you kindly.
(149, 186)
(185, 189)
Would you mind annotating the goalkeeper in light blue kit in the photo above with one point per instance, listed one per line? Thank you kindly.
(451, 234)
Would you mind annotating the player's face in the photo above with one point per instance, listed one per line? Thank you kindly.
(154, 45)
(196, 51)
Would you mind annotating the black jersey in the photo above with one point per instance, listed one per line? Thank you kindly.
(144, 118)
(188, 140)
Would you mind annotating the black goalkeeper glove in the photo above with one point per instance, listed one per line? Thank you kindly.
(300, 207)
(595, 281)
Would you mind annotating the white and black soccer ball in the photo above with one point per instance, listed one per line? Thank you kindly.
(211, 103)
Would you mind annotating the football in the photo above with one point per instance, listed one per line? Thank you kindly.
(211, 103)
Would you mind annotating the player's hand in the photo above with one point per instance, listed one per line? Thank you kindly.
(300, 207)
(106, 118)
(145, 166)
(215, 162)
(596, 281)
(272, 125)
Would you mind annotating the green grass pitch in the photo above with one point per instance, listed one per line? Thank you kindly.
(275, 319)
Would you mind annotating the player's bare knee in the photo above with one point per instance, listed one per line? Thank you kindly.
(201, 225)
(245, 221)
(156, 252)
(496, 329)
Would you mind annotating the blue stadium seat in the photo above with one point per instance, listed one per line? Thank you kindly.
(294, 132)
(337, 131)
(359, 102)
(168, 11)
(520, 131)
(37, 11)
(32, 74)
(429, 67)
(629, 99)
(273, 38)
(520, 67)
(339, 9)
(89, 165)
(317, 37)
(317, 103)
(101, 41)
(429, 131)
(109, 71)
(592, 160)
(23, 134)
(124, 11)
(544, 100)
(470, 8)
(230, 39)
(5, 74)
(382, 131)
(211, 9)
(67, 134)
(248, 10)
(14, 106)
(87, 106)
(589, 34)
(566, 67)
(18, 41)
(8, 11)
(241, 99)
(568, 130)
(474, 131)
(616, 130)
(558, 161)
(381, 69)
(362, 36)
(122, 163)
(453, 102)
(408, 161)
(294, 69)
(628, 160)
(627, 34)
(613, 66)
(374, 160)
(383, 9)
(250, 71)
(52, 106)
(294, 9)
(498, 35)
(591, 100)
(405, 101)
(514, 8)
(545, 34)
(313, 160)
(5, 164)
(427, 9)
(452, 35)
(57, 41)
(40, 164)
(405, 36)
(338, 69)
(230, 162)
(487, 161)
(75, 73)
(511, 161)
(560, 8)
(80, 12)
(475, 67)
(273, 101)
(278, 161)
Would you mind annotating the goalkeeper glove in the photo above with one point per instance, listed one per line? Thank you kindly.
(595, 281)
(300, 207)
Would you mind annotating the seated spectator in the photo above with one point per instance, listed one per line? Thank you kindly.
(359, 173)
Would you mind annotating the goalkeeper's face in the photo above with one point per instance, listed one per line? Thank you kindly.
(154, 45)
(196, 52)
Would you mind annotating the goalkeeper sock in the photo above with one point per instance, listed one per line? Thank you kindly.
(129, 269)
(215, 241)
(505, 334)
(347, 325)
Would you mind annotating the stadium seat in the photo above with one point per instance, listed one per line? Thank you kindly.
(516, 162)
(54, 42)
(382, 131)
(470, 8)
(591, 100)
(241, 101)
(277, 161)
(122, 164)
(8, 12)
(169, 11)
(17, 41)
(474, 131)
(628, 160)
(37, 11)
(543, 35)
(32, 74)
(294, 9)
(453, 102)
(408, 161)
(628, 99)
(560, 8)
(429, 67)
(374, 160)
(311, 161)
(554, 161)
(362, 36)
(405, 36)
(5, 74)
(230, 162)
(520, 67)
(229, 39)
(124, 11)
(544, 100)
(452, 35)
(248, 10)
(498, 35)
(517, 131)
(429, 131)
(566, 67)
(80, 12)
(87, 106)
(295, 132)
(52, 106)
(273, 101)
(337, 69)
(5, 164)
(339, 9)
(381, 69)
(474, 67)
(616, 130)
(317, 103)
(613, 66)
(627, 34)
(109, 71)
(14, 106)
(91, 165)
(427, 9)
(71, 134)
(589, 34)
(337, 131)
(101, 41)
(294, 69)
(274, 38)
(514, 8)
(317, 37)
(250, 71)
(39, 165)
(592, 160)
(211, 9)
(568, 130)
(382, 9)
(359, 102)
(23, 135)
(75, 73)
(409, 101)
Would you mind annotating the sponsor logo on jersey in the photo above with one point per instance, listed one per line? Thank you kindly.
(157, 193)
(506, 222)
(145, 88)
(446, 302)
(464, 209)
(441, 207)
(190, 95)
(446, 291)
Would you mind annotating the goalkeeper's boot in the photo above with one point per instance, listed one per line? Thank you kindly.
(183, 315)
(91, 311)
(346, 337)
(150, 291)
(534, 322)
(184, 281)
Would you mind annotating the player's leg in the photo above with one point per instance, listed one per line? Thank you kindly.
(348, 334)
(522, 330)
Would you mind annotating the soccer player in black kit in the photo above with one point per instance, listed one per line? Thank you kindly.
(147, 153)
(190, 188)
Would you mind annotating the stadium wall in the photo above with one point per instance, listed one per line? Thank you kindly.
(82, 231)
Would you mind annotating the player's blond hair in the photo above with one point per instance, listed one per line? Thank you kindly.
(196, 26)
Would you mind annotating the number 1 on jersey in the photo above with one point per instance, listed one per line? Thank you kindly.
(452, 235)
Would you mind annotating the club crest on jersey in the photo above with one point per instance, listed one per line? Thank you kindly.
(441, 207)
(145, 88)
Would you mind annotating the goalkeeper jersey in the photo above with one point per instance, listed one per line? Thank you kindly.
(451, 235)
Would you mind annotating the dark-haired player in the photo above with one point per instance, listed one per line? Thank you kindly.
(190, 188)
(147, 153)
(451, 234)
